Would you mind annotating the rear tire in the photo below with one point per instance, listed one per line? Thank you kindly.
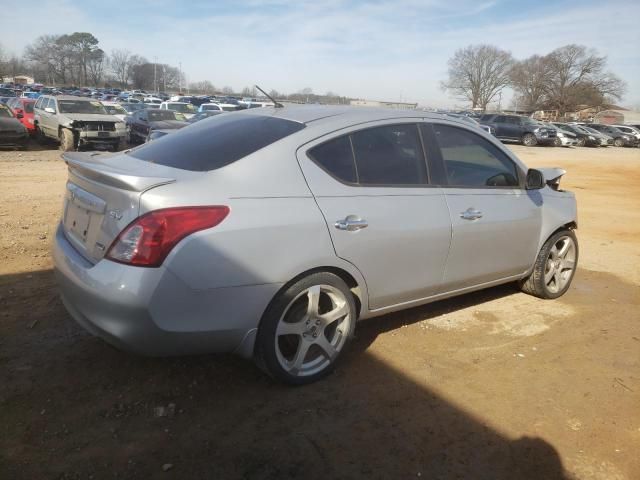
(557, 142)
(306, 329)
(618, 142)
(529, 140)
(581, 142)
(555, 266)
(66, 140)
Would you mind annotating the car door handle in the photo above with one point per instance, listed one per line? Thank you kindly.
(351, 223)
(471, 214)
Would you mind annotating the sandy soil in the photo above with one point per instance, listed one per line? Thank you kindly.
(491, 385)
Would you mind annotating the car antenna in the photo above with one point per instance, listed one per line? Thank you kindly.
(275, 104)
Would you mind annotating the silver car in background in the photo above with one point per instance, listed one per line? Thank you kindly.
(269, 232)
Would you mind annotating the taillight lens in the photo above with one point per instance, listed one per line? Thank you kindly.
(147, 241)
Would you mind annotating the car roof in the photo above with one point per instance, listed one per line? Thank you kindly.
(314, 113)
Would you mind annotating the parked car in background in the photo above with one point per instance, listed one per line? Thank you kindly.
(220, 107)
(132, 107)
(473, 121)
(620, 139)
(76, 121)
(12, 132)
(270, 232)
(22, 109)
(202, 115)
(116, 109)
(141, 124)
(7, 92)
(520, 129)
(186, 109)
(605, 140)
(629, 130)
(583, 138)
(564, 138)
(31, 95)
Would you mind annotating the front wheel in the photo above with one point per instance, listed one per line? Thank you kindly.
(557, 142)
(555, 266)
(618, 142)
(306, 329)
(66, 140)
(581, 142)
(529, 140)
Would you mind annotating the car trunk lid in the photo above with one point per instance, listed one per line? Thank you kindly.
(102, 197)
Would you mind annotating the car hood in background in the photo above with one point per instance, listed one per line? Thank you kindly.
(11, 125)
(167, 124)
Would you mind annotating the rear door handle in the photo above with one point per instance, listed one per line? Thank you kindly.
(351, 223)
(471, 214)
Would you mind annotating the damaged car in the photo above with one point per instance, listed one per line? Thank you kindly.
(76, 122)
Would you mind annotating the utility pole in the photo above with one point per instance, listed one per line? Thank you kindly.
(500, 101)
(180, 79)
(155, 82)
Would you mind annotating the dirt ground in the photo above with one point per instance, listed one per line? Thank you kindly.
(491, 385)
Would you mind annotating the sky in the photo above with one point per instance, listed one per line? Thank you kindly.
(394, 50)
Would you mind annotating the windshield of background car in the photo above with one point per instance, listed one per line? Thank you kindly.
(115, 110)
(159, 115)
(182, 107)
(5, 112)
(216, 142)
(80, 106)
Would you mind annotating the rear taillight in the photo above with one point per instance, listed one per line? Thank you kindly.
(147, 241)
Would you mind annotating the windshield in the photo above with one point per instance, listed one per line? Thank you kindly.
(529, 121)
(81, 106)
(115, 110)
(5, 112)
(156, 115)
(28, 107)
(181, 107)
(590, 130)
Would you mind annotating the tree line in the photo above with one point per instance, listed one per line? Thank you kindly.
(76, 59)
(563, 80)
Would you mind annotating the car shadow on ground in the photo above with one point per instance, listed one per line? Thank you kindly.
(73, 407)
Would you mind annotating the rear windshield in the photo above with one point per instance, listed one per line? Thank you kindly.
(28, 107)
(215, 142)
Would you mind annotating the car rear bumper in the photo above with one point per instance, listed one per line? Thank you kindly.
(150, 311)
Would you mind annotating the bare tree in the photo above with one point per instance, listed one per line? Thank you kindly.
(579, 72)
(478, 73)
(227, 90)
(120, 67)
(530, 79)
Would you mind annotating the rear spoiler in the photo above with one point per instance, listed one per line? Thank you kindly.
(91, 167)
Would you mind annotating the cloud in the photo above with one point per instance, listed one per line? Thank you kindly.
(376, 49)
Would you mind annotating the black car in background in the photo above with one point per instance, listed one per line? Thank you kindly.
(520, 129)
(142, 123)
(620, 139)
(12, 132)
(202, 115)
(585, 139)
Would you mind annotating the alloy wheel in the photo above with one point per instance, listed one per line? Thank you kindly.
(560, 264)
(312, 330)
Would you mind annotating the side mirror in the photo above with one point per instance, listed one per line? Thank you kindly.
(50, 110)
(535, 179)
(20, 115)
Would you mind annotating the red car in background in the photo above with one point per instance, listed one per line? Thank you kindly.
(22, 108)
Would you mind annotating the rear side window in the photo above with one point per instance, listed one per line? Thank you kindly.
(390, 155)
(336, 158)
(216, 141)
(472, 161)
(385, 156)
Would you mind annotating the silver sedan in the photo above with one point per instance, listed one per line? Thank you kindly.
(269, 232)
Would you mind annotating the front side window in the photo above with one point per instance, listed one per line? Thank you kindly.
(39, 102)
(472, 161)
